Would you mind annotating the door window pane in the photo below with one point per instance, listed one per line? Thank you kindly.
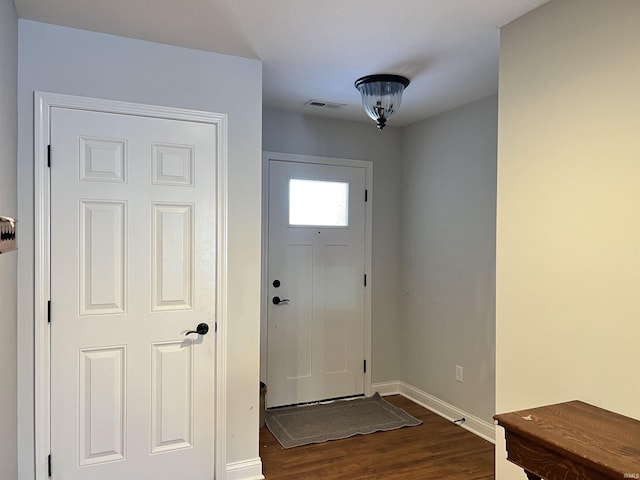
(320, 203)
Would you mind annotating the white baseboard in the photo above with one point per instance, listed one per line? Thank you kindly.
(245, 470)
(472, 423)
(386, 388)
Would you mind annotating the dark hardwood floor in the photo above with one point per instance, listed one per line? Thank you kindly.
(437, 449)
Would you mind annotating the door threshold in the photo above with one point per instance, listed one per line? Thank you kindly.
(318, 402)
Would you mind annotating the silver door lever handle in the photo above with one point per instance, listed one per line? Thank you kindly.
(278, 300)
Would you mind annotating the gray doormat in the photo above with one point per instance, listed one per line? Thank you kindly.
(295, 426)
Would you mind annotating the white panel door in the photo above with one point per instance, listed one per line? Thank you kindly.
(132, 271)
(316, 266)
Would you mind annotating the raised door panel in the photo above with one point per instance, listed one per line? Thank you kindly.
(173, 270)
(171, 396)
(102, 257)
(102, 403)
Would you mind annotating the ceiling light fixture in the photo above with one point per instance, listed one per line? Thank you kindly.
(381, 95)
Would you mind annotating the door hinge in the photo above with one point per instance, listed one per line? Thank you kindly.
(49, 465)
(365, 279)
(215, 327)
(49, 156)
(366, 195)
(365, 365)
(48, 311)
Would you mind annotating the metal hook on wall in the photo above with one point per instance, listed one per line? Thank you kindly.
(7, 234)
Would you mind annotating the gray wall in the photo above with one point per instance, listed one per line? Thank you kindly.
(568, 236)
(448, 256)
(293, 133)
(8, 261)
(63, 60)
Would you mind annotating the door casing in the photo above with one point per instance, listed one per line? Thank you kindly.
(43, 103)
(344, 162)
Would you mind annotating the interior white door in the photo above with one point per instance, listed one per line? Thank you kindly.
(132, 271)
(316, 266)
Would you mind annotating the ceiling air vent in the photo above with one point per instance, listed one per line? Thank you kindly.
(322, 104)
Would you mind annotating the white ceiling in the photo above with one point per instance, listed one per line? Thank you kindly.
(316, 49)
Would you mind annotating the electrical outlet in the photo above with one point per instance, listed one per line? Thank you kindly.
(459, 376)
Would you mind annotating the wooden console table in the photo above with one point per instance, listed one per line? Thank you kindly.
(572, 441)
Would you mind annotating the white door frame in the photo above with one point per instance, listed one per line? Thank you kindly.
(341, 162)
(43, 103)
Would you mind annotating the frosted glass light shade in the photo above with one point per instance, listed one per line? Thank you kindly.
(381, 95)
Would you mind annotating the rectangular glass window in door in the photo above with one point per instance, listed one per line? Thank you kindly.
(318, 203)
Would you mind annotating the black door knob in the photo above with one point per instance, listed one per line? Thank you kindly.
(278, 300)
(201, 329)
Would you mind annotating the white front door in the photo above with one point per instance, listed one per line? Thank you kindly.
(316, 284)
(132, 271)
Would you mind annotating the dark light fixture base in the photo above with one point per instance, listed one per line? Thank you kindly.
(382, 77)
